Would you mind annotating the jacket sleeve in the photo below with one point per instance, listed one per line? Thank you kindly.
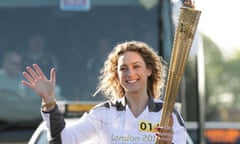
(55, 124)
(78, 131)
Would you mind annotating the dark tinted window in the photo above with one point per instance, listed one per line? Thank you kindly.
(75, 43)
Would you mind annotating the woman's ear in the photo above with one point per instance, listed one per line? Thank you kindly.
(149, 72)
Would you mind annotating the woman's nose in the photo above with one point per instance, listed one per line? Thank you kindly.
(130, 72)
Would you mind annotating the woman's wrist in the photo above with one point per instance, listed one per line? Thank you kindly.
(48, 106)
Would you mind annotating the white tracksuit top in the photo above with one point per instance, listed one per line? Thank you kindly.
(113, 123)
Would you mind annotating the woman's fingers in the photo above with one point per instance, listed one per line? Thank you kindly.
(39, 71)
(36, 72)
(189, 3)
(37, 80)
(32, 73)
(165, 133)
(53, 76)
(164, 137)
(27, 84)
(28, 77)
(164, 129)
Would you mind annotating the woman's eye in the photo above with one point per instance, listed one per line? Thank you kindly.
(136, 66)
(122, 69)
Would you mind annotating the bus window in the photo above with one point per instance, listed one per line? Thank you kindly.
(74, 42)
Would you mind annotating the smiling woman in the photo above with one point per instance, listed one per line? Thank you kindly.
(132, 76)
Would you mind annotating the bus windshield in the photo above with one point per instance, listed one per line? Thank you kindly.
(75, 43)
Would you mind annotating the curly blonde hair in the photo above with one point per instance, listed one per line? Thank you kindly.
(109, 84)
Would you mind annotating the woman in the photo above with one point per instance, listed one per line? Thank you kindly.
(133, 78)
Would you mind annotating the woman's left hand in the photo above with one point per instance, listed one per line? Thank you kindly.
(165, 133)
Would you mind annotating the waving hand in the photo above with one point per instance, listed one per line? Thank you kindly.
(37, 80)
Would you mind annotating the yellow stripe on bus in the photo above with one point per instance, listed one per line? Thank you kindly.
(79, 107)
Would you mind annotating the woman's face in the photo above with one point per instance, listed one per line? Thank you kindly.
(132, 72)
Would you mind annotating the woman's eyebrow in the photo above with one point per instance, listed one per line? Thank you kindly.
(136, 62)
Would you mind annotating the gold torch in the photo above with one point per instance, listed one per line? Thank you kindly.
(185, 31)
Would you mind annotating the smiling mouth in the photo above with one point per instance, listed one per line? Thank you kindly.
(132, 81)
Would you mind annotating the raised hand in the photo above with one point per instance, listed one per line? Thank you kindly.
(37, 80)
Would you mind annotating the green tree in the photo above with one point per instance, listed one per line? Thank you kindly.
(214, 62)
(231, 77)
(222, 82)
